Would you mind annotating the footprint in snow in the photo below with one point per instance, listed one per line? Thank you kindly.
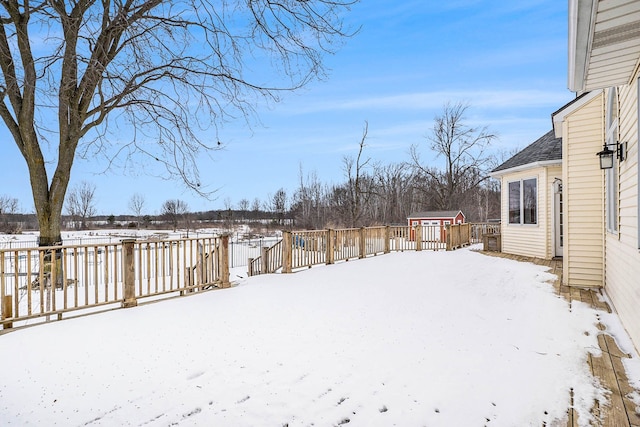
(244, 399)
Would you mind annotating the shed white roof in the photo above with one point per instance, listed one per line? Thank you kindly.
(435, 214)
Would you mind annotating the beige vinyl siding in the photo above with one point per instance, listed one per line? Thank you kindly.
(526, 239)
(583, 194)
(622, 272)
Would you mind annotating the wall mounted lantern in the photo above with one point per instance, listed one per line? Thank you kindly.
(606, 155)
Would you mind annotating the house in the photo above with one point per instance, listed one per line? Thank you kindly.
(433, 219)
(531, 199)
(602, 206)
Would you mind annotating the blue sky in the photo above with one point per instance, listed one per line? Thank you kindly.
(507, 61)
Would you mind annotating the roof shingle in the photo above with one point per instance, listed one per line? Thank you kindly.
(545, 148)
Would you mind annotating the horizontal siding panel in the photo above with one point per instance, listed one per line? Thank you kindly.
(583, 194)
(622, 266)
(584, 274)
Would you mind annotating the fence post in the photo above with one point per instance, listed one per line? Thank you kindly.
(264, 255)
(224, 261)
(129, 277)
(362, 244)
(287, 249)
(330, 246)
(418, 234)
(448, 233)
(7, 310)
(387, 239)
(250, 269)
(467, 234)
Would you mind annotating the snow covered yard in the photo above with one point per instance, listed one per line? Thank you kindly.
(406, 339)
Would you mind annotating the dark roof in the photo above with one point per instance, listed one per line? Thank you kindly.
(545, 148)
(435, 214)
(576, 99)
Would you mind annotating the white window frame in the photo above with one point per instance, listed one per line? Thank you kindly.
(521, 202)
(612, 174)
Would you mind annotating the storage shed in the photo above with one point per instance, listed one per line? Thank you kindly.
(433, 219)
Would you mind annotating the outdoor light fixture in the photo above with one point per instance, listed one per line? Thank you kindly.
(606, 155)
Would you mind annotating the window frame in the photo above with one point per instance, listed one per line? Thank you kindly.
(521, 209)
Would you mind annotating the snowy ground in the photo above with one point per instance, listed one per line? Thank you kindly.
(406, 339)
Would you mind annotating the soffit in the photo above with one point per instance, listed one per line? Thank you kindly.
(604, 43)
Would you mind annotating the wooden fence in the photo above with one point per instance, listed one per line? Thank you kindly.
(478, 230)
(41, 283)
(299, 249)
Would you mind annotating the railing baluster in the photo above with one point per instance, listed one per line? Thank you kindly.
(75, 273)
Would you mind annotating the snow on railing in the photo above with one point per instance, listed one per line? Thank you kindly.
(299, 249)
(39, 283)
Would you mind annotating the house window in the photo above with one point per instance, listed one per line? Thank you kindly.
(523, 201)
(611, 175)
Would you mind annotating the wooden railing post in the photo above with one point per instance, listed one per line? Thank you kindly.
(330, 256)
(264, 256)
(129, 276)
(418, 233)
(224, 261)
(7, 310)
(362, 243)
(448, 233)
(287, 252)
(250, 269)
(387, 239)
(467, 234)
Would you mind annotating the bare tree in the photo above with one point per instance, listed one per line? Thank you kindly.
(8, 205)
(168, 69)
(394, 193)
(228, 215)
(8, 208)
(80, 203)
(243, 205)
(357, 189)
(136, 205)
(462, 149)
(174, 211)
(308, 202)
(255, 205)
(278, 205)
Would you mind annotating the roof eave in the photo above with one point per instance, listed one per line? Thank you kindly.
(558, 117)
(581, 26)
(521, 168)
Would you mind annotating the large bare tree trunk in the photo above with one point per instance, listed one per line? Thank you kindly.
(87, 59)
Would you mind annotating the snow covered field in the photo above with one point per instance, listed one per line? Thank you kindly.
(240, 248)
(407, 339)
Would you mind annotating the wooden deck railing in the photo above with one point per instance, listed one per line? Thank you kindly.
(480, 229)
(39, 283)
(299, 249)
(458, 236)
(269, 261)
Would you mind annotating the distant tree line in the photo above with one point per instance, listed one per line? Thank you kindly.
(371, 193)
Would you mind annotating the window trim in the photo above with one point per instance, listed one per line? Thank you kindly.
(521, 205)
